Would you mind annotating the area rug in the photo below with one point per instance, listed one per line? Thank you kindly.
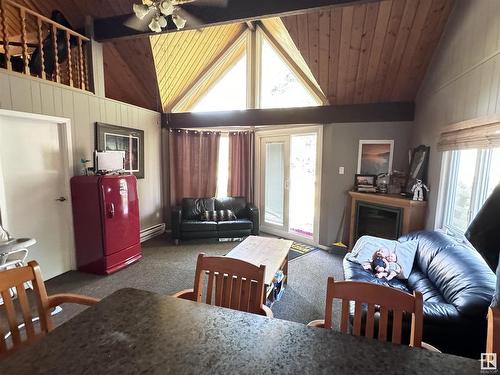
(298, 249)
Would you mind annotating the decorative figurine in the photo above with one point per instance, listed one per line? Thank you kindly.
(418, 190)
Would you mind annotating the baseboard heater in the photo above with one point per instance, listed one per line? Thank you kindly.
(153, 231)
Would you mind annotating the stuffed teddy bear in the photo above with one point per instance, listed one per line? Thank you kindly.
(384, 264)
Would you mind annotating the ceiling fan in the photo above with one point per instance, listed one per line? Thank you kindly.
(154, 14)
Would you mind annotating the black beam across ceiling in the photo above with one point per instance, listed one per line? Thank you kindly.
(383, 112)
(236, 11)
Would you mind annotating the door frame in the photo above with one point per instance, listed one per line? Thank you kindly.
(288, 131)
(65, 139)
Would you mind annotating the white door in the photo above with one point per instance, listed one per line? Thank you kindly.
(34, 196)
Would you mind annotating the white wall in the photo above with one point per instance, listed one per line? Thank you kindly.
(462, 81)
(33, 95)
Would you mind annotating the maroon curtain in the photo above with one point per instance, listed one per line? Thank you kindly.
(241, 165)
(193, 164)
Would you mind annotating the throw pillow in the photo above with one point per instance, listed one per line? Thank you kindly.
(226, 215)
(366, 246)
(208, 216)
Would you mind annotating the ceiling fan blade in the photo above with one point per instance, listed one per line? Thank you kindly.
(137, 24)
(210, 3)
(191, 21)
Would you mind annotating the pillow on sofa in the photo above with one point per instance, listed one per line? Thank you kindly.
(225, 215)
(208, 216)
(366, 246)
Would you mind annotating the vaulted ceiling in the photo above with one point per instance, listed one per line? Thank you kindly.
(369, 53)
(378, 51)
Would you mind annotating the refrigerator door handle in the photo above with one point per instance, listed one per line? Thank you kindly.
(111, 210)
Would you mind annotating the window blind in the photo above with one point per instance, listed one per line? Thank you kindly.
(477, 133)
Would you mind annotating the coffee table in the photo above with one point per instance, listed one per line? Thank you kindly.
(268, 251)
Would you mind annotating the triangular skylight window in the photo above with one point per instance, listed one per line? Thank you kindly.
(228, 93)
(280, 87)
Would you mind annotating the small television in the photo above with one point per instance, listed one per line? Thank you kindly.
(109, 161)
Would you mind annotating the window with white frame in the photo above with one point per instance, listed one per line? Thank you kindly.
(472, 176)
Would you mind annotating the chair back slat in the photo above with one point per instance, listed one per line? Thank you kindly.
(397, 326)
(382, 323)
(370, 320)
(238, 285)
(344, 322)
(236, 294)
(210, 288)
(14, 280)
(219, 278)
(357, 319)
(26, 311)
(3, 344)
(228, 291)
(389, 303)
(11, 317)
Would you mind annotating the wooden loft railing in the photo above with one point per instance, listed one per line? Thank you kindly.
(38, 46)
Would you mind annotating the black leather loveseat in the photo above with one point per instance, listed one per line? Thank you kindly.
(187, 223)
(457, 287)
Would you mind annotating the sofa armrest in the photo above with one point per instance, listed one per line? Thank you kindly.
(176, 222)
(253, 216)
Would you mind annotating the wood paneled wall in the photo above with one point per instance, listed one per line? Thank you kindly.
(26, 94)
(463, 81)
(374, 52)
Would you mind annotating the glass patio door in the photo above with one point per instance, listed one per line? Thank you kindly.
(289, 185)
(275, 181)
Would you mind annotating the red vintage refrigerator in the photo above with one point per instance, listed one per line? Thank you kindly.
(106, 222)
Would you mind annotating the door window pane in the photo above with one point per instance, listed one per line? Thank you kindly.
(463, 189)
(302, 184)
(280, 88)
(274, 183)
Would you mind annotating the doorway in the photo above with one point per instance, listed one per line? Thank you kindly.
(35, 168)
(288, 182)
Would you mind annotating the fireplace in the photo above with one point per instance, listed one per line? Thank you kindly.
(377, 220)
(384, 215)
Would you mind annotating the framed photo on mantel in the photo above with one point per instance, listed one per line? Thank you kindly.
(119, 138)
(375, 157)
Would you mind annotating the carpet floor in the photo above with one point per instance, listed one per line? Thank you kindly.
(166, 269)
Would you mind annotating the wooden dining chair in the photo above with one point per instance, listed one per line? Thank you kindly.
(16, 278)
(493, 333)
(391, 303)
(237, 284)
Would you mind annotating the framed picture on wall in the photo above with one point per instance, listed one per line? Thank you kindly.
(375, 156)
(118, 138)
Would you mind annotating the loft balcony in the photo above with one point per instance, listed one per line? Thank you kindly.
(42, 47)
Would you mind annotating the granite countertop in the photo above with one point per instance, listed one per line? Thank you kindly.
(134, 331)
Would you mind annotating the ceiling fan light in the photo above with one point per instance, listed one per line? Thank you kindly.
(179, 21)
(154, 25)
(140, 10)
(166, 7)
(162, 21)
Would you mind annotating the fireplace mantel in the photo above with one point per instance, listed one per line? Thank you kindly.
(413, 212)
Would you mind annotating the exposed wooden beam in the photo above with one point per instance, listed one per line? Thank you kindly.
(236, 11)
(383, 112)
(251, 25)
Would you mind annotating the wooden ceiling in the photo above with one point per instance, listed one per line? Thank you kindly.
(128, 67)
(369, 53)
(181, 58)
